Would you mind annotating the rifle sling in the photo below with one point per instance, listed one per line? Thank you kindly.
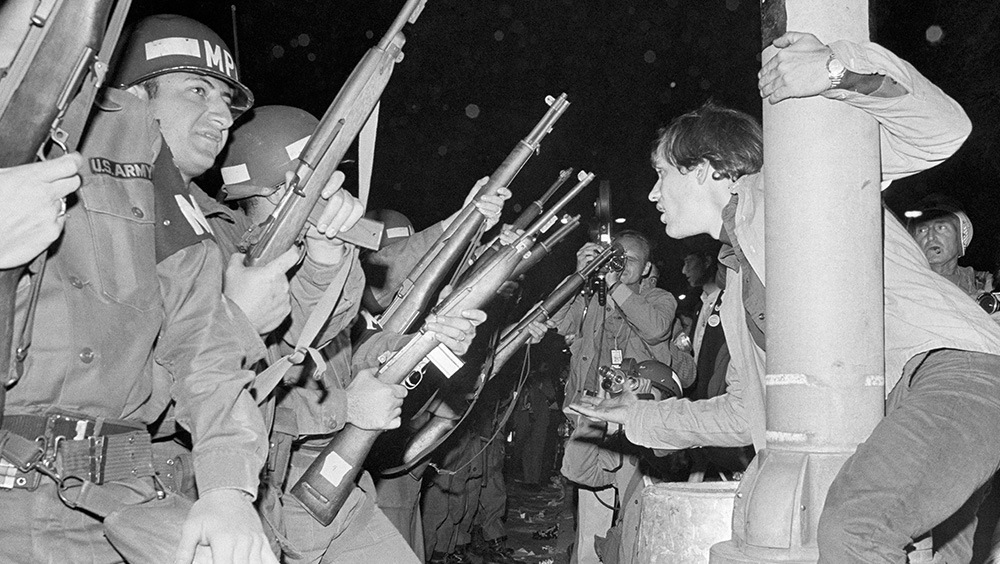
(79, 109)
(266, 381)
(74, 123)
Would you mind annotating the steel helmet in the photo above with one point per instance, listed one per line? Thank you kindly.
(931, 208)
(262, 148)
(397, 228)
(168, 43)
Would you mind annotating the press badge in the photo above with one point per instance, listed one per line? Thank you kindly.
(616, 357)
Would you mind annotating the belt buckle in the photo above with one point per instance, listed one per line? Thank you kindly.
(68, 427)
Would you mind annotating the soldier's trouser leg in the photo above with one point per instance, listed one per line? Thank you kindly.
(359, 526)
(534, 450)
(442, 508)
(399, 500)
(936, 446)
(593, 517)
(37, 527)
(493, 497)
(470, 505)
(375, 541)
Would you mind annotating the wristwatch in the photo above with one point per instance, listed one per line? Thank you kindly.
(835, 70)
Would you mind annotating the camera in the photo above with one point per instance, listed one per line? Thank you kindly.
(614, 380)
(990, 302)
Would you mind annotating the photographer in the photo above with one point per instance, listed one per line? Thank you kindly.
(599, 455)
(634, 322)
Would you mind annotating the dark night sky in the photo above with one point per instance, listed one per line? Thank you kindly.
(628, 67)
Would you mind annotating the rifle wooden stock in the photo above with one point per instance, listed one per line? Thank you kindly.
(427, 275)
(330, 478)
(543, 248)
(514, 337)
(328, 144)
(58, 53)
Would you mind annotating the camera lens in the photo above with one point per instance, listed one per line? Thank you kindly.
(989, 303)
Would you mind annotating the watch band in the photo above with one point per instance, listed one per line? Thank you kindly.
(835, 70)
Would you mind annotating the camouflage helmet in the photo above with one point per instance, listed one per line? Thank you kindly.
(262, 148)
(168, 43)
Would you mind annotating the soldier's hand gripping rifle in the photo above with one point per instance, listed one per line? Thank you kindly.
(426, 277)
(327, 146)
(46, 94)
(585, 178)
(432, 434)
(327, 482)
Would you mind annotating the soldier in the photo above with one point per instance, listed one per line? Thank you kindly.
(254, 170)
(129, 317)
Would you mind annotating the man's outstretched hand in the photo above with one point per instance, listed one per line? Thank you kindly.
(612, 410)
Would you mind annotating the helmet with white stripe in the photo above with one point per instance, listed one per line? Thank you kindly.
(168, 43)
(262, 148)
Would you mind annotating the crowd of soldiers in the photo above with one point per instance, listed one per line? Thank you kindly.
(136, 425)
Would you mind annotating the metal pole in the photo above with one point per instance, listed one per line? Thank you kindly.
(825, 382)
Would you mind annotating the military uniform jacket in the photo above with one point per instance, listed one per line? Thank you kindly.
(131, 285)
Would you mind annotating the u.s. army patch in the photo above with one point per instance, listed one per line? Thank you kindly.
(107, 167)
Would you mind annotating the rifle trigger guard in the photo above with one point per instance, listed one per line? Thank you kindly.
(414, 379)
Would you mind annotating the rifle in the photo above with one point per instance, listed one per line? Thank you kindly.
(585, 179)
(328, 481)
(530, 213)
(327, 146)
(416, 291)
(435, 431)
(543, 248)
(46, 95)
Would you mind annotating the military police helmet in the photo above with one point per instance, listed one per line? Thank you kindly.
(262, 148)
(168, 43)
(397, 228)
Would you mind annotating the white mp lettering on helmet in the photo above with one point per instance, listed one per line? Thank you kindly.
(218, 57)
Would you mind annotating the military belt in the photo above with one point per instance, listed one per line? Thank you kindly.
(72, 449)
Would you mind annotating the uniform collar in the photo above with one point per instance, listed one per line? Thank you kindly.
(209, 206)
